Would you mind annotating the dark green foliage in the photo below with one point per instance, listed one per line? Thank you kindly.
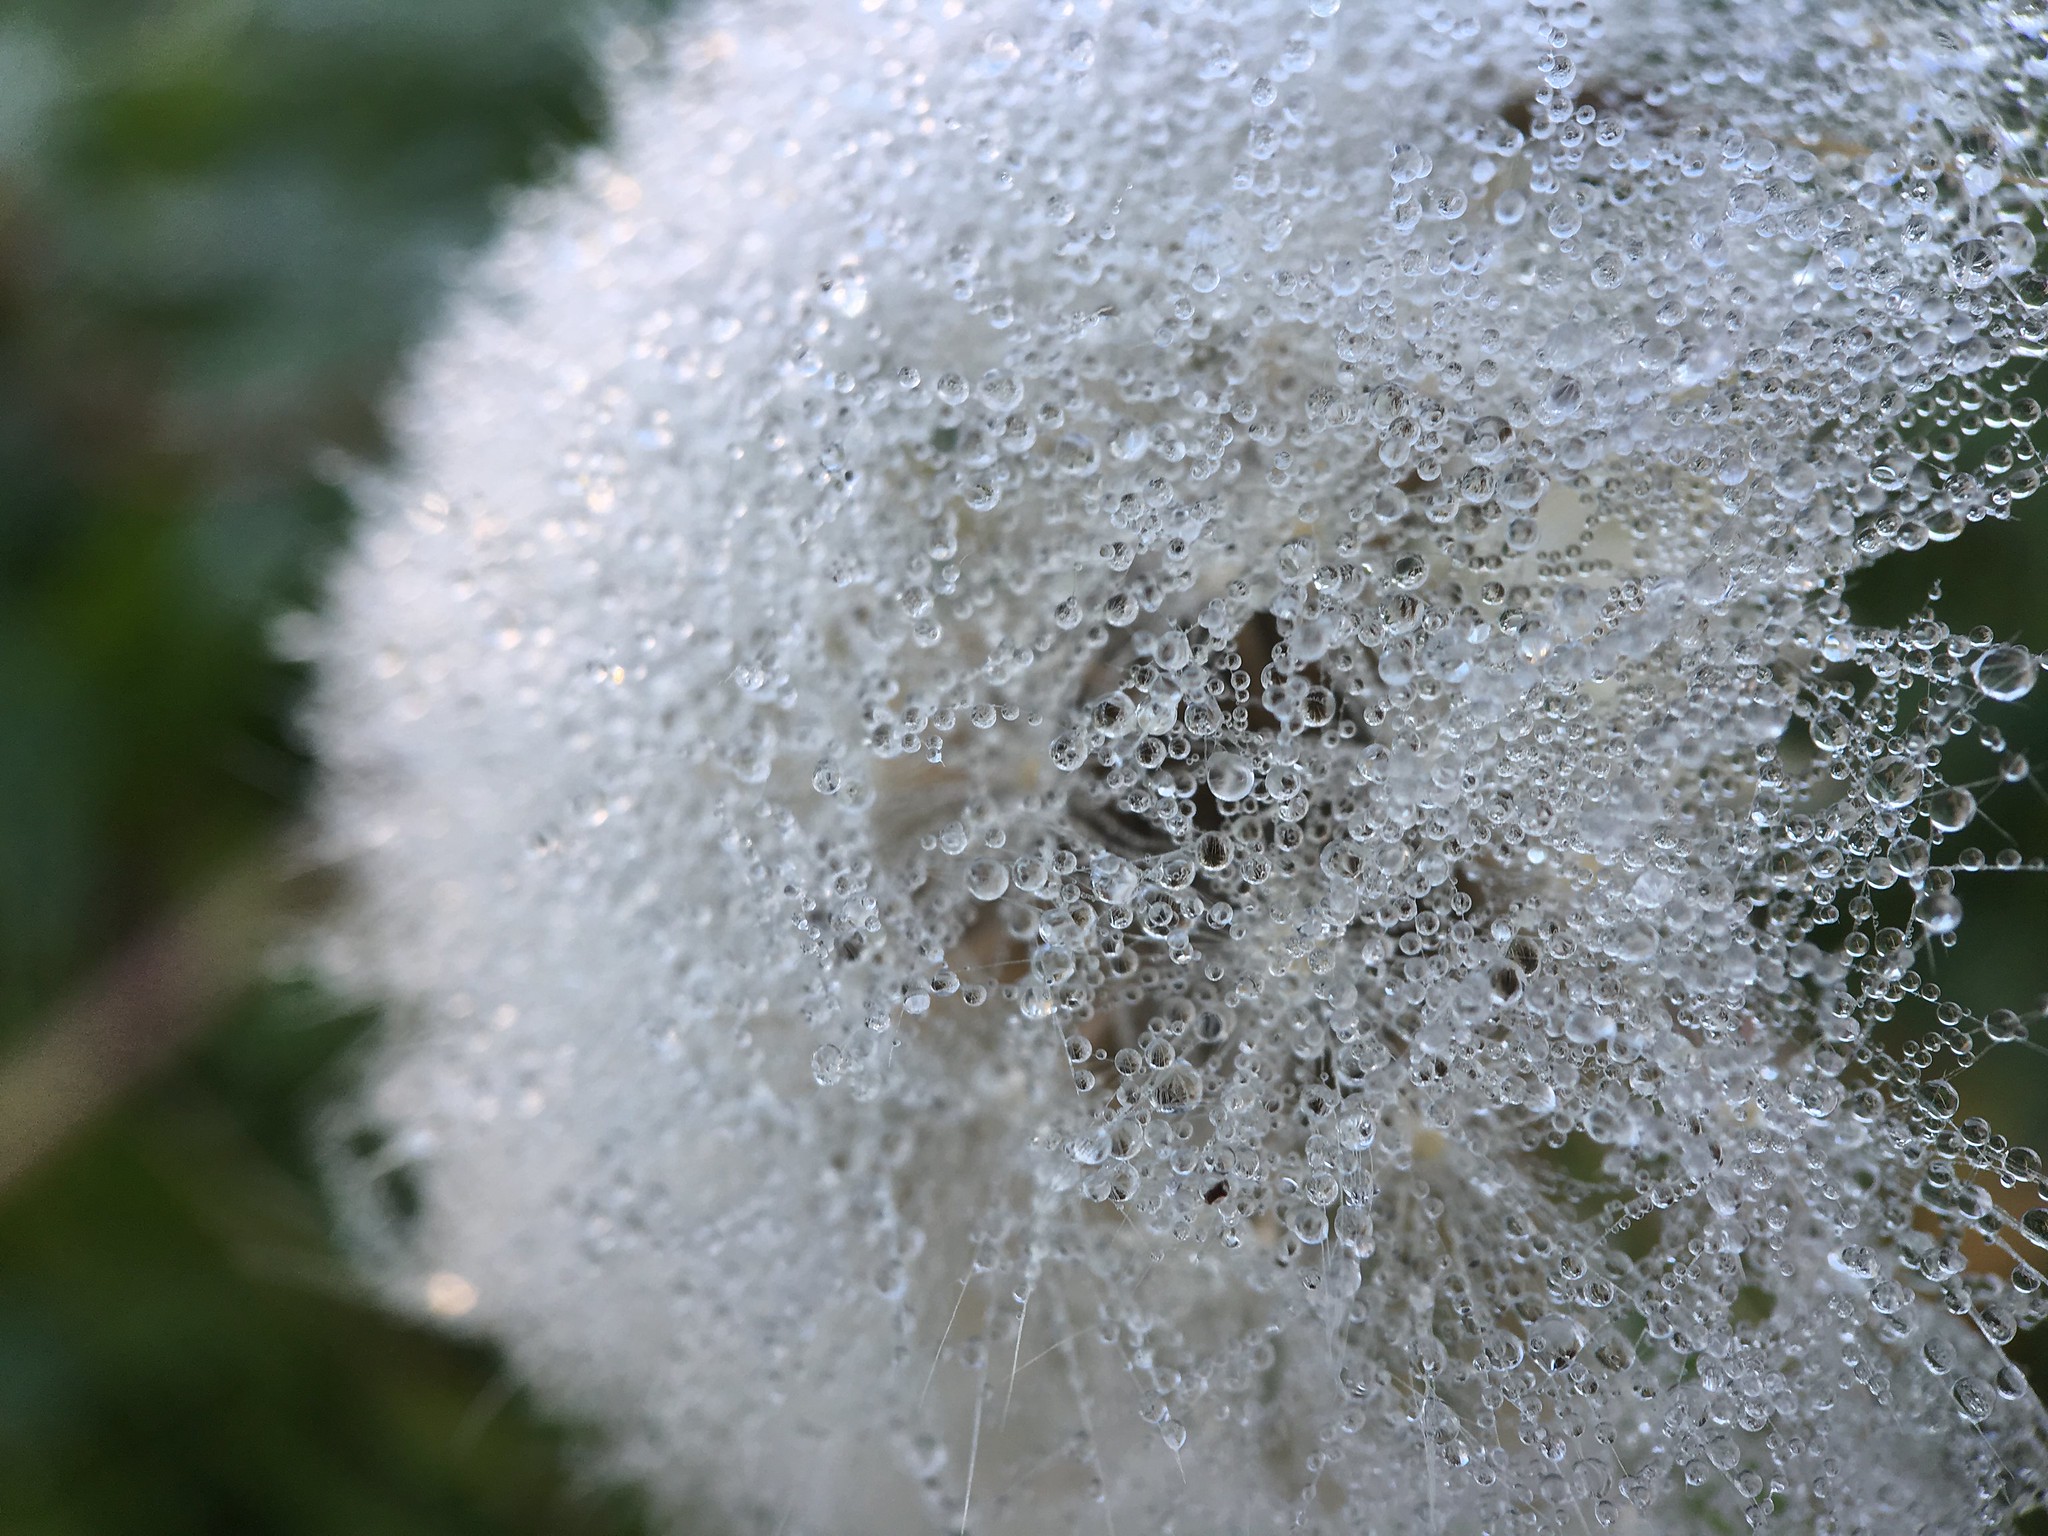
(221, 224)
(183, 1354)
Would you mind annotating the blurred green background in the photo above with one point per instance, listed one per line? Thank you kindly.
(221, 224)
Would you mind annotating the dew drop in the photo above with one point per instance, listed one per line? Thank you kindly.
(1229, 776)
(987, 879)
(1951, 809)
(2005, 672)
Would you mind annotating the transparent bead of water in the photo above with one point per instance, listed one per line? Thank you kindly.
(1229, 776)
(1897, 784)
(1178, 1089)
(987, 879)
(2005, 672)
(1408, 163)
(1973, 263)
(1951, 809)
(1942, 913)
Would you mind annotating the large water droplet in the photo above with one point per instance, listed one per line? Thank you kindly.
(1229, 776)
(2005, 672)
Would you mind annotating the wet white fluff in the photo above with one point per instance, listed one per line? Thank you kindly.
(1107, 772)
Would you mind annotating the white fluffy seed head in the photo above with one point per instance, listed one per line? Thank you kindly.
(1107, 771)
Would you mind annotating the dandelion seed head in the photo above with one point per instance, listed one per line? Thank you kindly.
(1106, 765)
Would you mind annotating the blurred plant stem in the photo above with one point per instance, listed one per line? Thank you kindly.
(132, 1017)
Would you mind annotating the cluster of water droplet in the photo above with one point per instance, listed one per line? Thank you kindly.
(1110, 769)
